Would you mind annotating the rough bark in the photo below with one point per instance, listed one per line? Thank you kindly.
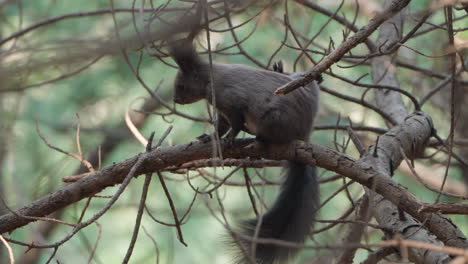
(385, 212)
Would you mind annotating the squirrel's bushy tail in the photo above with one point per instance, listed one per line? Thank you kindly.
(289, 219)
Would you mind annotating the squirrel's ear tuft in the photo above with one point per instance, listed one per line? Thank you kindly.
(185, 56)
(278, 67)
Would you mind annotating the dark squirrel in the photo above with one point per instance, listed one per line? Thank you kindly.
(246, 102)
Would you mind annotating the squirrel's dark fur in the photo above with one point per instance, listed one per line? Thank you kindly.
(245, 100)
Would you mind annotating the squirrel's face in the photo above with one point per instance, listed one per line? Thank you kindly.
(188, 88)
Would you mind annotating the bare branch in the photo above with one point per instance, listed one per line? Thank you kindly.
(344, 47)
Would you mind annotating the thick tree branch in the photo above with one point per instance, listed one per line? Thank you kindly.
(446, 208)
(410, 136)
(380, 156)
(384, 70)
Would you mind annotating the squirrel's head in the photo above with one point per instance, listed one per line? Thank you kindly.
(192, 79)
(189, 87)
